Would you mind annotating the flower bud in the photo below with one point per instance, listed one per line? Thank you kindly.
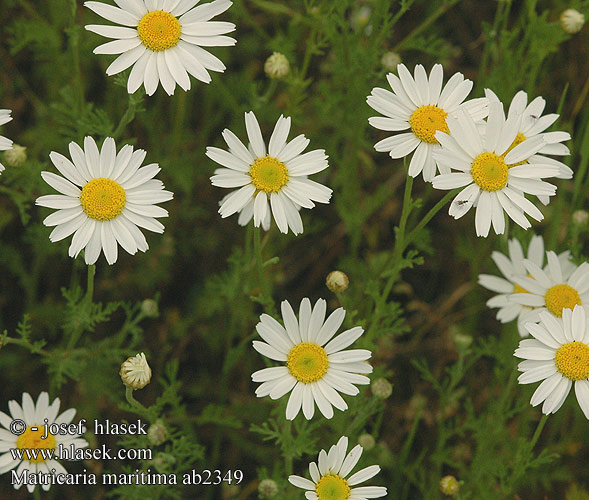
(449, 485)
(390, 60)
(135, 372)
(16, 157)
(360, 17)
(580, 217)
(277, 66)
(381, 388)
(267, 488)
(163, 462)
(337, 281)
(149, 308)
(157, 433)
(572, 21)
(366, 441)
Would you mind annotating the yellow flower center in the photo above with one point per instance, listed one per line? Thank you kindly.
(31, 440)
(572, 360)
(268, 174)
(489, 171)
(159, 30)
(332, 487)
(426, 121)
(102, 199)
(516, 142)
(561, 297)
(307, 362)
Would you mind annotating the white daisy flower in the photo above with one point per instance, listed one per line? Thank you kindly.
(420, 104)
(269, 180)
(5, 143)
(35, 416)
(533, 124)
(553, 289)
(495, 182)
(558, 355)
(162, 40)
(105, 198)
(328, 479)
(514, 266)
(317, 368)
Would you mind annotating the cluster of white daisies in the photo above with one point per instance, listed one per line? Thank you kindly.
(551, 303)
(106, 196)
(498, 161)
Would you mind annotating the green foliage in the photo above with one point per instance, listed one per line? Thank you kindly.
(457, 407)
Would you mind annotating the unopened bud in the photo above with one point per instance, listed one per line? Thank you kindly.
(449, 485)
(572, 21)
(157, 433)
(381, 388)
(267, 489)
(390, 60)
(366, 441)
(16, 157)
(337, 281)
(135, 372)
(277, 66)
(580, 217)
(163, 462)
(149, 308)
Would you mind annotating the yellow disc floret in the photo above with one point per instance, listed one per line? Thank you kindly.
(268, 174)
(426, 121)
(307, 362)
(102, 199)
(561, 297)
(159, 30)
(516, 142)
(572, 360)
(332, 487)
(489, 171)
(31, 440)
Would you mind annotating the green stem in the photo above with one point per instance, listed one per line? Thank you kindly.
(539, 428)
(429, 216)
(263, 279)
(77, 332)
(438, 12)
(37, 493)
(127, 117)
(90, 286)
(132, 401)
(26, 344)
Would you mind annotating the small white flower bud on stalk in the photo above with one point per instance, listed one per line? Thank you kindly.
(277, 66)
(572, 21)
(337, 281)
(135, 372)
(381, 388)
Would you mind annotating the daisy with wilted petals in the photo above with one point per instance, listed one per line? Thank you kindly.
(490, 171)
(558, 355)
(162, 40)
(317, 367)
(514, 266)
(554, 289)
(419, 103)
(5, 143)
(39, 454)
(533, 124)
(328, 479)
(270, 181)
(105, 198)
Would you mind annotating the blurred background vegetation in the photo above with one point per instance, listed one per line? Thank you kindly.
(456, 407)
